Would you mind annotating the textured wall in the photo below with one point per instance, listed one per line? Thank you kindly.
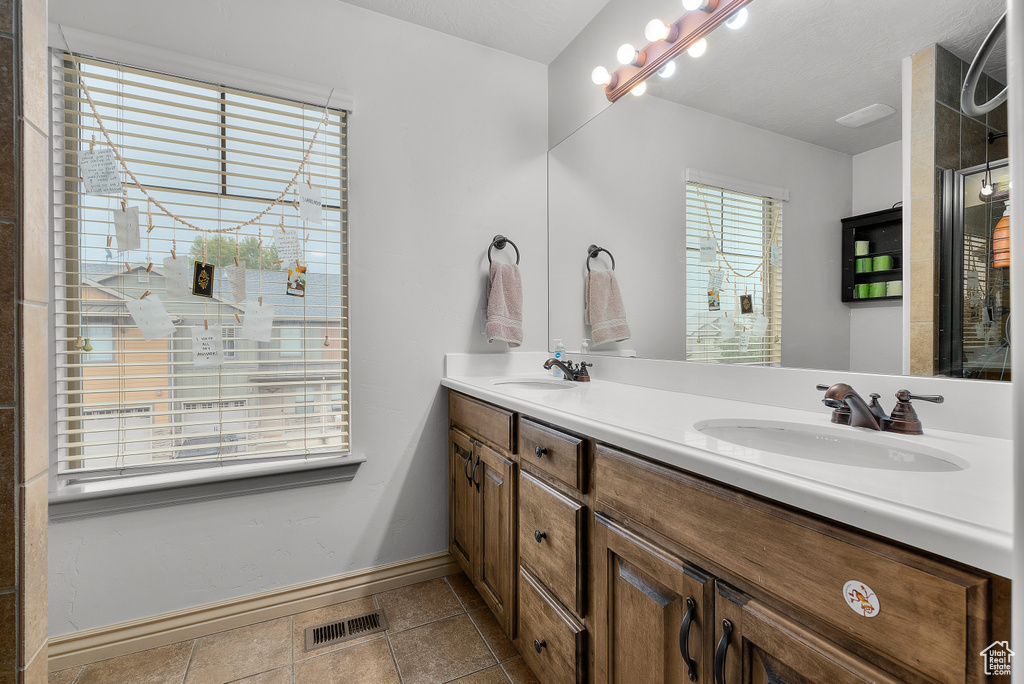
(23, 317)
(447, 148)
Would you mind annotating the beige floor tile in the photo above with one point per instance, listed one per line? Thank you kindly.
(440, 651)
(418, 604)
(494, 635)
(339, 611)
(464, 589)
(492, 675)
(241, 652)
(164, 665)
(518, 672)
(370, 662)
(63, 676)
(282, 675)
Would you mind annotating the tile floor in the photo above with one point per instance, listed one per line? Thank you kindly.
(438, 631)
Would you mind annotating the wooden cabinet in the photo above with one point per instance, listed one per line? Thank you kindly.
(495, 568)
(552, 640)
(462, 513)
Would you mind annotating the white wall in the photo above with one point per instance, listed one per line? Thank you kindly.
(876, 328)
(619, 182)
(447, 148)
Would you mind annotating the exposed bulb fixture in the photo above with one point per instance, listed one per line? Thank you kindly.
(739, 19)
(986, 188)
(667, 70)
(639, 89)
(628, 54)
(698, 48)
(658, 30)
(600, 76)
(691, 5)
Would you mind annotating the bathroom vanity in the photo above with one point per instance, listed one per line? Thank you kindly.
(617, 543)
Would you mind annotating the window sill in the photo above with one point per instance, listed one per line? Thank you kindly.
(144, 492)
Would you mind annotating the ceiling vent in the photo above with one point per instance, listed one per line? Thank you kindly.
(862, 117)
(345, 630)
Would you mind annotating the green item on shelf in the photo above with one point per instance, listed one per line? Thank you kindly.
(863, 265)
(881, 263)
(860, 291)
(861, 247)
(876, 290)
(894, 288)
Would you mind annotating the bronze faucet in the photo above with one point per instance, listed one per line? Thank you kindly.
(851, 409)
(577, 374)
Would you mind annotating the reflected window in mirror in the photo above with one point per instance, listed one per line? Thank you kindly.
(733, 295)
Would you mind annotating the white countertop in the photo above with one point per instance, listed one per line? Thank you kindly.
(964, 515)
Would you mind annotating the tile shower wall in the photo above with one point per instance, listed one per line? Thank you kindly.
(23, 316)
(942, 138)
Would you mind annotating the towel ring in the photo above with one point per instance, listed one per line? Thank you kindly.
(967, 95)
(500, 241)
(593, 251)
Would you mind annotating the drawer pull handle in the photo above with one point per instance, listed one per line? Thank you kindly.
(684, 638)
(720, 652)
(465, 469)
(539, 536)
(540, 451)
(473, 474)
(539, 645)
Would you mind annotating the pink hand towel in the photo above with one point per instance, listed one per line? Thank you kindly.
(505, 304)
(604, 311)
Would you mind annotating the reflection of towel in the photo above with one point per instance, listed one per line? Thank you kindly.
(505, 304)
(604, 311)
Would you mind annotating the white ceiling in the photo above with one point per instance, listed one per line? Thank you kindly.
(534, 29)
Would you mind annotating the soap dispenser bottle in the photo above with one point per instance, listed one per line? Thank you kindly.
(559, 356)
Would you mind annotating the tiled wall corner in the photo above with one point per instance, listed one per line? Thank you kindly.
(923, 226)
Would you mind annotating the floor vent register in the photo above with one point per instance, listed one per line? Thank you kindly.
(345, 630)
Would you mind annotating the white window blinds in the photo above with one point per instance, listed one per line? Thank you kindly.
(744, 227)
(214, 157)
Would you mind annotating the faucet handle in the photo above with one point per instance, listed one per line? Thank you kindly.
(823, 388)
(905, 395)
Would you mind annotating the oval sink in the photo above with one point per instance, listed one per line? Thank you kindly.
(535, 384)
(827, 445)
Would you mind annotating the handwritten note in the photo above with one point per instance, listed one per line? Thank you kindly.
(126, 227)
(744, 341)
(177, 279)
(151, 317)
(287, 245)
(760, 326)
(715, 279)
(236, 276)
(207, 346)
(99, 172)
(310, 204)
(258, 322)
(708, 250)
(972, 278)
(726, 328)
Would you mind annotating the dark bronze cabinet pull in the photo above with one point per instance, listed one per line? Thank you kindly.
(540, 451)
(684, 638)
(465, 469)
(539, 536)
(720, 652)
(473, 476)
(538, 645)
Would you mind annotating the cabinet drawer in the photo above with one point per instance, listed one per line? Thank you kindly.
(919, 612)
(556, 453)
(551, 640)
(551, 539)
(483, 420)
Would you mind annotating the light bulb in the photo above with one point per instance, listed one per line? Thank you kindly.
(691, 5)
(667, 70)
(600, 76)
(627, 54)
(698, 48)
(639, 89)
(656, 30)
(737, 20)
(986, 188)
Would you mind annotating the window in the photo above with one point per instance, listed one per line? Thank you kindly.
(214, 156)
(748, 231)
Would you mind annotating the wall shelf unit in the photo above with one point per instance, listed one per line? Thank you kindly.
(883, 230)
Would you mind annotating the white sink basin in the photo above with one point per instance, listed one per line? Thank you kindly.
(840, 445)
(535, 383)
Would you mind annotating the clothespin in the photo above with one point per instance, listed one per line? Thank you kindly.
(237, 318)
(127, 267)
(110, 240)
(236, 260)
(149, 267)
(261, 301)
(145, 294)
(297, 264)
(307, 238)
(206, 323)
(278, 262)
(124, 200)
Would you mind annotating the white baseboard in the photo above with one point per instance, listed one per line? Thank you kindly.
(92, 645)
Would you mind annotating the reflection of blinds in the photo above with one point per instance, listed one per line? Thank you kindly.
(743, 226)
(216, 157)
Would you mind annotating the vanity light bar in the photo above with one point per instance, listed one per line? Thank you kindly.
(690, 28)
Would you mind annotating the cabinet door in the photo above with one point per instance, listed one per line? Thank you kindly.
(462, 512)
(756, 645)
(495, 484)
(655, 611)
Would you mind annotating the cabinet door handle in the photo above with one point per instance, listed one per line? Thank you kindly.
(539, 536)
(684, 638)
(465, 468)
(720, 652)
(540, 451)
(473, 474)
(539, 645)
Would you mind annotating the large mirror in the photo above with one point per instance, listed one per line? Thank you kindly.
(743, 145)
